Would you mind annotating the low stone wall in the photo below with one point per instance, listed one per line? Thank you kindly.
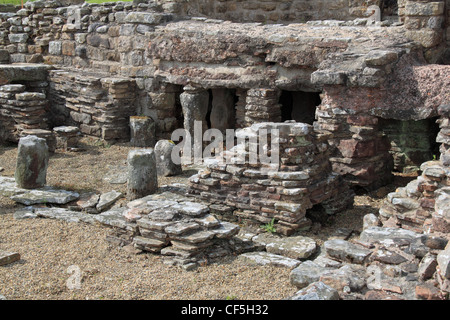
(274, 11)
(99, 105)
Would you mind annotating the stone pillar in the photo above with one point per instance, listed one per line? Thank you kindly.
(32, 163)
(194, 103)
(142, 132)
(142, 176)
(222, 112)
(262, 106)
(164, 164)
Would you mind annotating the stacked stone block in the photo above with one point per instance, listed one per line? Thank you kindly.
(99, 106)
(262, 106)
(425, 21)
(184, 232)
(423, 205)
(360, 152)
(258, 193)
(21, 110)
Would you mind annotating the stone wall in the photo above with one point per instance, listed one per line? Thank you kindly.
(275, 11)
(259, 192)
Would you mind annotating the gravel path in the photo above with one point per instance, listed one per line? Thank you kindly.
(54, 253)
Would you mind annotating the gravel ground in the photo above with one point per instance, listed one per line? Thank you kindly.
(50, 249)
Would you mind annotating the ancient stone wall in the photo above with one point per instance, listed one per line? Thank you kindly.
(260, 192)
(274, 11)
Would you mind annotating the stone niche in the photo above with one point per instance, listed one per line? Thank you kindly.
(299, 106)
(412, 142)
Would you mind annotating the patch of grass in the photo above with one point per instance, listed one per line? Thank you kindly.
(269, 227)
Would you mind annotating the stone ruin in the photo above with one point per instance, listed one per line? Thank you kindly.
(358, 89)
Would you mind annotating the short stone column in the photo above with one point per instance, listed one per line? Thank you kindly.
(142, 175)
(66, 137)
(142, 132)
(194, 103)
(164, 164)
(32, 163)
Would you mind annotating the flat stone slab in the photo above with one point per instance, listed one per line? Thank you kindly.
(269, 259)
(8, 257)
(389, 236)
(306, 273)
(107, 199)
(9, 188)
(346, 251)
(316, 291)
(24, 72)
(45, 195)
(292, 247)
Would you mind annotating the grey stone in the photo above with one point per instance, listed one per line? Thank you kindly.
(370, 220)
(107, 199)
(24, 72)
(297, 247)
(147, 18)
(269, 259)
(346, 251)
(443, 260)
(142, 175)
(164, 163)
(32, 162)
(306, 273)
(18, 37)
(142, 132)
(316, 291)
(348, 276)
(388, 236)
(55, 48)
(45, 195)
(225, 230)
(427, 266)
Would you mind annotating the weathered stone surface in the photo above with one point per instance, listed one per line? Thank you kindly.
(142, 132)
(8, 257)
(266, 258)
(24, 72)
(32, 162)
(346, 251)
(142, 175)
(316, 291)
(427, 267)
(443, 260)
(348, 276)
(164, 163)
(306, 273)
(297, 247)
(388, 235)
(107, 199)
(46, 195)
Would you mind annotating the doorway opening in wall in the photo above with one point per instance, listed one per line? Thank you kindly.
(299, 106)
(389, 10)
(221, 109)
(412, 142)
